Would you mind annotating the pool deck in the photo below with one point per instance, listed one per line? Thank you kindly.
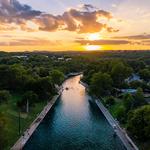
(122, 134)
(28, 133)
(126, 140)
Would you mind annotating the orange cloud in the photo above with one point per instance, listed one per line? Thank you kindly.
(30, 42)
(134, 37)
(103, 42)
(85, 20)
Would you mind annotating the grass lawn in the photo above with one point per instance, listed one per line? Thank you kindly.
(114, 108)
(10, 113)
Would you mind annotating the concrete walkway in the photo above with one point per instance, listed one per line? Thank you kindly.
(128, 143)
(28, 133)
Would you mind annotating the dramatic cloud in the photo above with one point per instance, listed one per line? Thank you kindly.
(74, 20)
(12, 12)
(30, 42)
(103, 42)
(145, 42)
(87, 7)
(110, 29)
(84, 20)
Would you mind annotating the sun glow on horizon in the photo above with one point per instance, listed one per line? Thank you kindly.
(94, 36)
(92, 47)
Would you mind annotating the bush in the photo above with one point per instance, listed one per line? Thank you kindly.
(4, 96)
(120, 113)
(101, 84)
(57, 77)
(139, 123)
(29, 97)
(139, 98)
(110, 101)
(128, 102)
(145, 74)
(3, 141)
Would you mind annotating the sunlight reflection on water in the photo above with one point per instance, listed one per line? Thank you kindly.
(74, 124)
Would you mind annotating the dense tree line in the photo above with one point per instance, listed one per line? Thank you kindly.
(35, 77)
(139, 123)
(106, 78)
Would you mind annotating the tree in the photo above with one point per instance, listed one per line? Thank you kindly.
(139, 98)
(136, 84)
(119, 73)
(3, 140)
(28, 99)
(43, 72)
(120, 113)
(128, 102)
(44, 88)
(101, 84)
(16, 73)
(4, 96)
(57, 77)
(12, 77)
(145, 74)
(139, 123)
(137, 65)
(4, 75)
(110, 101)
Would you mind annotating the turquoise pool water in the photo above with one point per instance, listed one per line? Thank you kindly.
(74, 123)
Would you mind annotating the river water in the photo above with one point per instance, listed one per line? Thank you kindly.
(74, 123)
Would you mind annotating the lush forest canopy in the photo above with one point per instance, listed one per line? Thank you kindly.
(34, 76)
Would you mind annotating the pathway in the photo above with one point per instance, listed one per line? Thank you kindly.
(128, 143)
(28, 133)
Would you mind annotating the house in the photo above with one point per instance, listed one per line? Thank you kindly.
(133, 77)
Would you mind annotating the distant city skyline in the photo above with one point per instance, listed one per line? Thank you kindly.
(74, 25)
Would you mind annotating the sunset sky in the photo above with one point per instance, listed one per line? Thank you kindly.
(74, 25)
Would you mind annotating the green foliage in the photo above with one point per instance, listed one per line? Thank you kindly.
(10, 116)
(139, 123)
(110, 101)
(128, 102)
(137, 64)
(13, 77)
(139, 98)
(57, 77)
(131, 102)
(101, 84)
(43, 87)
(3, 140)
(145, 74)
(4, 96)
(43, 72)
(120, 113)
(119, 73)
(29, 97)
(136, 84)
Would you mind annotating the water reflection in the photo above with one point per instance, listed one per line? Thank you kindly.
(74, 124)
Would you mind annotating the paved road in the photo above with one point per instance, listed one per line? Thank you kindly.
(128, 143)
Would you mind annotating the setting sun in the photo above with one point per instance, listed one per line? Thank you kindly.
(95, 36)
(92, 47)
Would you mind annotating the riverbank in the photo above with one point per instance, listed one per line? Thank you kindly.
(28, 133)
(122, 134)
(70, 124)
(10, 113)
(128, 143)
